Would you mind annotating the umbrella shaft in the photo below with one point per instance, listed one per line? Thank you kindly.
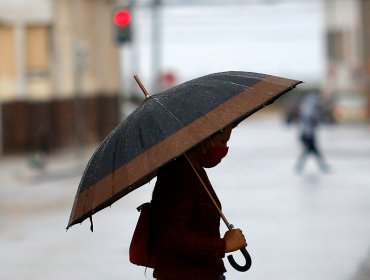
(228, 225)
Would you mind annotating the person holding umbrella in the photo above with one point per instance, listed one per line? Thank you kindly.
(186, 241)
(173, 135)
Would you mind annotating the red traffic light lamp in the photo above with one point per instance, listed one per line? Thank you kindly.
(122, 22)
(122, 18)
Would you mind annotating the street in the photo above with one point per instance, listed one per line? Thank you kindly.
(304, 226)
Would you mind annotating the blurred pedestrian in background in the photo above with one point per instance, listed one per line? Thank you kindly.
(38, 158)
(309, 117)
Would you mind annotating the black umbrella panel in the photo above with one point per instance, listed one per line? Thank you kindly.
(164, 127)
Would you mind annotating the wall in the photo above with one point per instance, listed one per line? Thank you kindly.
(59, 74)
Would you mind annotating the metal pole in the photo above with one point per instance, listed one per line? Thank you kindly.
(1, 129)
(20, 49)
(80, 53)
(156, 44)
(135, 52)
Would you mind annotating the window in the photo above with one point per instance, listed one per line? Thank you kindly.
(7, 55)
(37, 50)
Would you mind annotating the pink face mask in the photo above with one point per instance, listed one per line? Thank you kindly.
(213, 156)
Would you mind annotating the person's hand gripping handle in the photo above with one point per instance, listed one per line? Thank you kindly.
(235, 240)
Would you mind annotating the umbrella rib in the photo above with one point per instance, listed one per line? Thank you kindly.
(157, 126)
(168, 111)
(180, 122)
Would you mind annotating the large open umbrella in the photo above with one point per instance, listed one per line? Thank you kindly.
(165, 126)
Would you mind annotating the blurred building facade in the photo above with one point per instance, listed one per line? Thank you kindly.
(59, 73)
(348, 57)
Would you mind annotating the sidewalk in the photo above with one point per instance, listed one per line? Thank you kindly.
(363, 272)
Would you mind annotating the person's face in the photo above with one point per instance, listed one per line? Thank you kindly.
(219, 139)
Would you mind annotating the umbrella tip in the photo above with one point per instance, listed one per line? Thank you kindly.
(141, 86)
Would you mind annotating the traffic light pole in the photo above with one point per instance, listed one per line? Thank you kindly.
(134, 54)
(122, 21)
(156, 44)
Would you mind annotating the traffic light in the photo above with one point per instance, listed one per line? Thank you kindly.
(122, 19)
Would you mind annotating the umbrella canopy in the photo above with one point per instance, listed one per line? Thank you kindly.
(164, 127)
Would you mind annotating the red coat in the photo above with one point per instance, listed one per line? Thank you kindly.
(186, 226)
